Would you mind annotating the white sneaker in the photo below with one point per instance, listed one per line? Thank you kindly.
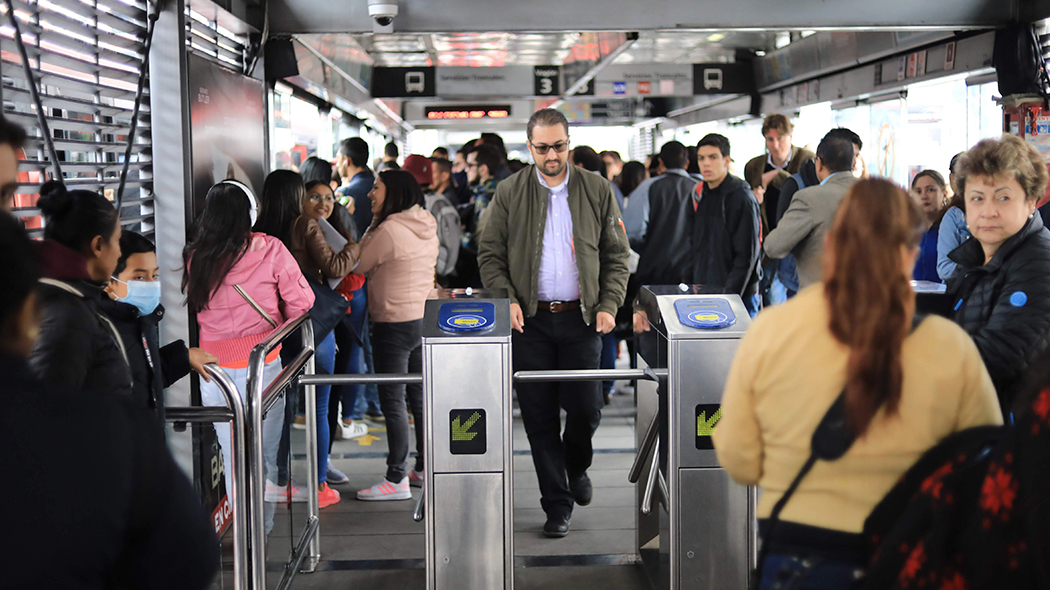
(353, 430)
(416, 478)
(385, 490)
(276, 493)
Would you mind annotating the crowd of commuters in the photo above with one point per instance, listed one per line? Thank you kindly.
(828, 253)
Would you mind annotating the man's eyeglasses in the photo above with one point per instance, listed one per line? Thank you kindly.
(559, 147)
(319, 198)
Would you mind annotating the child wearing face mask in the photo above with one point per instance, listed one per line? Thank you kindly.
(134, 308)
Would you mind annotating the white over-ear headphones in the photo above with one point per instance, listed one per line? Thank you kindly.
(253, 204)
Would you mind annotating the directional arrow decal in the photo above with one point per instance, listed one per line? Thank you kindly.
(366, 440)
(463, 432)
(706, 426)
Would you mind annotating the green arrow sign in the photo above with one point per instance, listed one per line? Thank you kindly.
(467, 432)
(705, 427)
(463, 432)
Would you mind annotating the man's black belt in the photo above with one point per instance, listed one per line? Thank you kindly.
(558, 306)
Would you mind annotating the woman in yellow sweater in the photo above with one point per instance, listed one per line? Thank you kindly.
(905, 391)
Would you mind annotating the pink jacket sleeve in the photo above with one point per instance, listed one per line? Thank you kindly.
(296, 295)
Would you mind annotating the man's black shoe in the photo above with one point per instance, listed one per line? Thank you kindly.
(556, 527)
(582, 490)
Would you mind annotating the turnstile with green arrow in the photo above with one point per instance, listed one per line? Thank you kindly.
(695, 526)
(468, 491)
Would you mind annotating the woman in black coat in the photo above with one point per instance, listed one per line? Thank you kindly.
(1001, 290)
(79, 347)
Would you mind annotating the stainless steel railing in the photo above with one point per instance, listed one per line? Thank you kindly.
(260, 398)
(238, 472)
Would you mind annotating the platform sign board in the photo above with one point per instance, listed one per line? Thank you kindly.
(719, 78)
(467, 432)
(707, 417)
(403, 82)
(644, 80)
(546, 80)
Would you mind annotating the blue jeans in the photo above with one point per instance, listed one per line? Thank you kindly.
(783, 571)
(325, 354)
(369, 402)
(348, 357)
(753, 304)
(211, 395)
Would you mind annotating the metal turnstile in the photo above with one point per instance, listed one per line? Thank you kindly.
(468, 495)
(696, 527)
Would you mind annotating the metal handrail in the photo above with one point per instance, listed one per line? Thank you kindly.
(648, 444)
(646, 374)
(234, 413)
(363, 379)
(261, 396)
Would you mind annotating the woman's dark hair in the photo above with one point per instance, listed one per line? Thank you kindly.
(132, 243)
(654, 165)
(19, 269)
(333, 219)
(315, 168)
(281, 204)
(693, 167)
(631, 175)
(870, 299)
(220, 236)
(585, 157)
(402, 192)
(74, 218)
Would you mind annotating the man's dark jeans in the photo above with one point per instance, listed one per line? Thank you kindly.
(558, 341)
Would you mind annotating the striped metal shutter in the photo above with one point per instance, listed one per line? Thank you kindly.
(85, 55)
(209, 39)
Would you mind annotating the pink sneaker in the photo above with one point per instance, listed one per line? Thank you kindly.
(385, 490)
(416, 478)
(326, 496)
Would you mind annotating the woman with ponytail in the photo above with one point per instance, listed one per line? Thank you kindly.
(905, 390)
(79, 347)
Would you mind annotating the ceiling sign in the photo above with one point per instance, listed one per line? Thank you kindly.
(644, 80)
(467, 112)
(718, 78)
(403, 82)
(510, 81)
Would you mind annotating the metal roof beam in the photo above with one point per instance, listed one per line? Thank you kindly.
(434, 16)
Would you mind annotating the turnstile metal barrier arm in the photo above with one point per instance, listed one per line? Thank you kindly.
(652, 433)
(589, 375)
(365, 379)
(261, 397)
(233, 413)
(419, 513)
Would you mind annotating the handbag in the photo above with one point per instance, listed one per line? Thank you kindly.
(831, 440)
(328, 310)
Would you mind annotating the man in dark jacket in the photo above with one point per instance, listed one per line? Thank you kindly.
(352, 165)
(708, 236)
(555, 241)
(134, 308)
(663, 231)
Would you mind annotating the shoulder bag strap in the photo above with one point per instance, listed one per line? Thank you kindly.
(255, 306)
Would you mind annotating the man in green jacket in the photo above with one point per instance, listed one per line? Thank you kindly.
(555, 241)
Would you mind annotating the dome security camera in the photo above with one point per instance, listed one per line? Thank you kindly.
(383, 13)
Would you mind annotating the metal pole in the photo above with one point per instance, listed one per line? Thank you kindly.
(238, 482)
(588, 375)
(650, 484)
(311, 448)
(369, 379)
(254, 459)
(648, 442)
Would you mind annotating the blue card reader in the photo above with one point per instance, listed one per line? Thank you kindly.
(467, 316)
(705, 313)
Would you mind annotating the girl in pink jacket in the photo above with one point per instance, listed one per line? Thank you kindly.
(223, 254)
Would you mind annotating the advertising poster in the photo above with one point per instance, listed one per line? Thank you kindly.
(228, 136)
(886, 119)
(228, 141)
